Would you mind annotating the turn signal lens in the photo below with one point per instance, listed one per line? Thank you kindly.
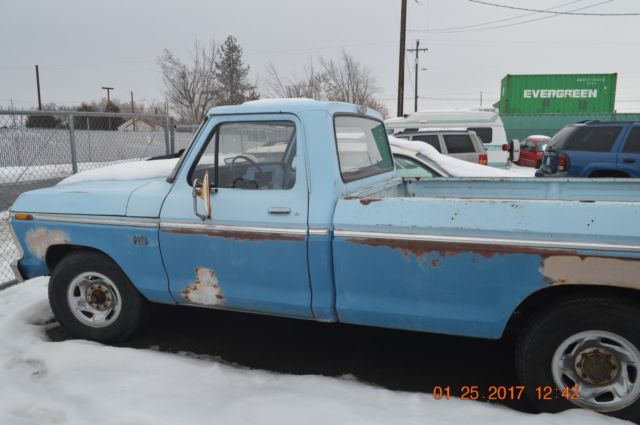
(484, 160)
(23, 217)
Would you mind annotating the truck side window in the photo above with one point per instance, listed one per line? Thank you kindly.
(484, 133)
(593, 139)
(431, 139)
(458, 143)
(633, 141)
(363, 148)
(251, 155)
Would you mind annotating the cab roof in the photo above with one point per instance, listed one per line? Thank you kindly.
(293, 106)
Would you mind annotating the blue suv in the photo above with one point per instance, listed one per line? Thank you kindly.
(593, 149)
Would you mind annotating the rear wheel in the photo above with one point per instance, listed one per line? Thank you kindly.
(588, 352)
(93, 299)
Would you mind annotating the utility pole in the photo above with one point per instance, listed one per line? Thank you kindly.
(106, 107)
(133, 111)
(417, 50)
(38, 86)
(481, 99)
(403, 30)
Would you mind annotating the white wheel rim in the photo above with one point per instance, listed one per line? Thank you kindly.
(94, 299)
(603, 364)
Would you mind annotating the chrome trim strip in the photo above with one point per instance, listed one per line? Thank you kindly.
(223, 228)
(319, 232)
(112, 221)
(487, 241)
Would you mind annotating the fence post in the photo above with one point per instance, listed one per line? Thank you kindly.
(172, 124)
(72, 142)
(167, 139)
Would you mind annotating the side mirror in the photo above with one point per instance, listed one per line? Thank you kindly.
(202, 191)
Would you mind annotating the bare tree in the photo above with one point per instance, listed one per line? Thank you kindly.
(344, 80)
(190, 88)
(311, 85)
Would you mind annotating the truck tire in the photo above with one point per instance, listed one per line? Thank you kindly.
(93, 299)
(590, 343)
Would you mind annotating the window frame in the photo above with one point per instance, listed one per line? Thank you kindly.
(335, 141)
(214, 131)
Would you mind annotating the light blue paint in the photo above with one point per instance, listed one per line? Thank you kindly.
(289, 272)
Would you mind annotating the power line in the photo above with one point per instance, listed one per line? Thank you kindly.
(525, 22)
(496, 21)
(548, 11)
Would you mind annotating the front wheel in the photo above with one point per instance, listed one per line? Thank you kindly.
(93, 299)
(583, 353)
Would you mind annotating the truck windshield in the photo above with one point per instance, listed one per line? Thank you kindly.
(363, 148)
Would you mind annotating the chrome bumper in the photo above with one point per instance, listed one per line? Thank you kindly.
(16, 271)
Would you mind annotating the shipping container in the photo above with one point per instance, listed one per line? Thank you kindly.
(519, 126)
(558, 94)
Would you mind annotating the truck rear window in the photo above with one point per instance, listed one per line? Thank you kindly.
(633, 141)
(363, 148)
(431, 139)
(458, 143)
(588, 139)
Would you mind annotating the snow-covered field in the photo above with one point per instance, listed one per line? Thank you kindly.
(81, 382)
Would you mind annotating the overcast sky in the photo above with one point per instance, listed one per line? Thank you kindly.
(82, 45)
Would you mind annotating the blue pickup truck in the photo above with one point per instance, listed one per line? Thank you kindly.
(293, 208)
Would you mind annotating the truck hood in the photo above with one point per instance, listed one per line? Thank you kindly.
(105, 197)
(135, 188)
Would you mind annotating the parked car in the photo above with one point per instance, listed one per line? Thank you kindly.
(594, 149)
(459, 143)
(485, 121)
(532, 150)
(275, 208)
(419, 159)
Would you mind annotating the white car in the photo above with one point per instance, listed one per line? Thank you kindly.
(418, 159)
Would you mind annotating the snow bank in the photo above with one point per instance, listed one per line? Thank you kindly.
(522, 171)
(136, 170)
(81, 382)
(453, 166)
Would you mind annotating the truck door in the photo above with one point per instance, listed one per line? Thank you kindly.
(251, 252)
(629, 156)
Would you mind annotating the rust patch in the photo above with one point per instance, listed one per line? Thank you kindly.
(443, 249)
(434, 263)
(235, 235)
(575, 270)
(367, 201)
(205, 290)
(39, 240)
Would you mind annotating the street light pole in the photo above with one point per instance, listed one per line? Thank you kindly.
(108, 89)
(403, 30)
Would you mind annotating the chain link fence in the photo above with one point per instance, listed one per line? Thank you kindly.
(38, 149)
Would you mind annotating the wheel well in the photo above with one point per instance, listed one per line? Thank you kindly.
(56, 253)
(608, 173)
(551, 296)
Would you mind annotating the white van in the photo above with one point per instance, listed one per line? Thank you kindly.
(484, 121)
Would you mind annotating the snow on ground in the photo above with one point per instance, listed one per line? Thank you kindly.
(81, 382)
(136, 170)
(8, 251)
(520, 170)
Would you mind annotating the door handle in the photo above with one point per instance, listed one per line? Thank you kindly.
(628, 160)
(279, 210)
